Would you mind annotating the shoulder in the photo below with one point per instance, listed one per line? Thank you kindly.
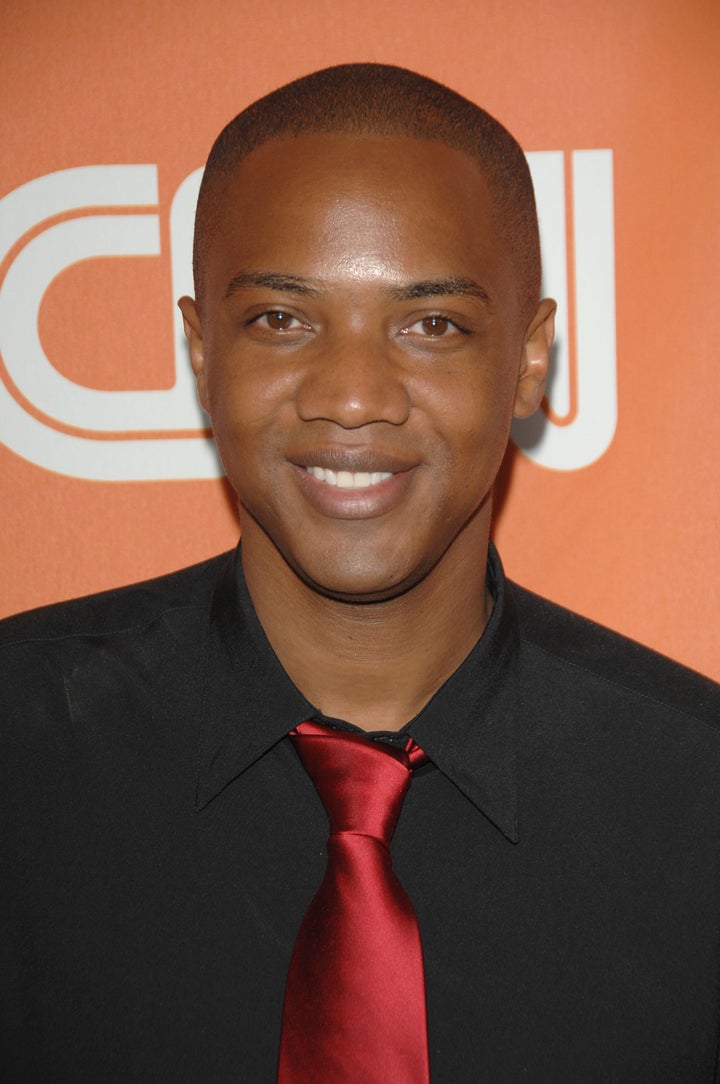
(98, 664)
(115, 612)
(596, 665)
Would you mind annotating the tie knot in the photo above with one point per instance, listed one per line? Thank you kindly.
(362, 783)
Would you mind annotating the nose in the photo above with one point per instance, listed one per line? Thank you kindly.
(354, 382)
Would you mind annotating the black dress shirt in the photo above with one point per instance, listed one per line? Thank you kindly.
(161, 842)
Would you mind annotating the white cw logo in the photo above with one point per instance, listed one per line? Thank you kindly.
(582, 394)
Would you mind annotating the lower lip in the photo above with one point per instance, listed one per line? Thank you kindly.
(366, 503)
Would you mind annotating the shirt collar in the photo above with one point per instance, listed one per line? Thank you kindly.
(467, 729)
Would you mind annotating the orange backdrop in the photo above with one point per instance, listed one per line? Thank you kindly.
(631, 538)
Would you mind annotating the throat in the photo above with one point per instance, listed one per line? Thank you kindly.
(373, 664)
(376, 665)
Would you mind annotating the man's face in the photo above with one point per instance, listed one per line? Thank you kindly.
(361, 350)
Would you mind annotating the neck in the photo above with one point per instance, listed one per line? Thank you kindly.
(372, 664)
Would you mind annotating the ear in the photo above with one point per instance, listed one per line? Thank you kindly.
(535, 360)
(193, 334)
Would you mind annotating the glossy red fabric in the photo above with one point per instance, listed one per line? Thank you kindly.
(355, 995)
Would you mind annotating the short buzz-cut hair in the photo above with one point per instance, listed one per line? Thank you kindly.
(376, 100)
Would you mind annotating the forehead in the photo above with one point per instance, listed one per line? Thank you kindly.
(314, 203)
(386, 166)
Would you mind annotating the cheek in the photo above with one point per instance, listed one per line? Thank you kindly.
(247, 400)
(476, 416)
(250, 428)
(477, 434)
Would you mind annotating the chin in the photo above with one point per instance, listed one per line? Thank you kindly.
(355, 581)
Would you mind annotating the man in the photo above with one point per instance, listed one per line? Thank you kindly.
(367, 321)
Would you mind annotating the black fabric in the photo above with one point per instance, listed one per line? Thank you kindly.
(161, 842)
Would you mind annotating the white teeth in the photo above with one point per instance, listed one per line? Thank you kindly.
(348, 479)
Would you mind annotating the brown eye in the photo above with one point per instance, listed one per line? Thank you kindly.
(435, 325)
(278, 321)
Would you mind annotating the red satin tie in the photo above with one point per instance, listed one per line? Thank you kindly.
(355, 996)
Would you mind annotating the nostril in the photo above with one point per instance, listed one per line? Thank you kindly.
(353, 392)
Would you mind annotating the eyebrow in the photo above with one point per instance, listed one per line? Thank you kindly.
(446, 287)
(271, 280)
(294, 284)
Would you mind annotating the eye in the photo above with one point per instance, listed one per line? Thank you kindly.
(276, 320)
(435, 326)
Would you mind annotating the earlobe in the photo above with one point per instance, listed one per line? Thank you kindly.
(535, 360)
(193, 334)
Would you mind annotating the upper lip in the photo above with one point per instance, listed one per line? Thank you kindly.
(336, 457)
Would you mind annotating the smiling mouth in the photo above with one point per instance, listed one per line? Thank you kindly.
(348, 479)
